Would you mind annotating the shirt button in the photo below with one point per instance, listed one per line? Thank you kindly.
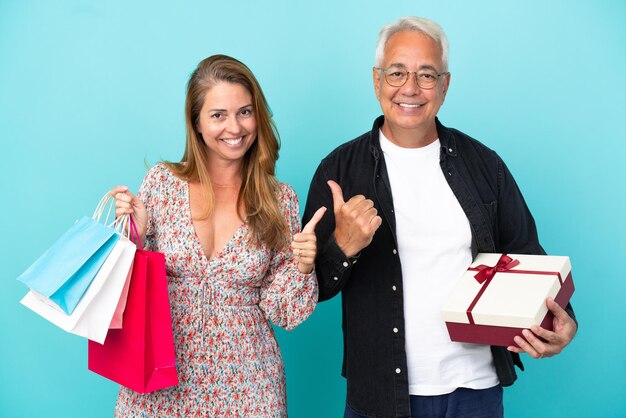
(395, 330)
(395, 251)
(393, 288)
(449, 149)
(398, 371)
(345, 264)
(335, 278)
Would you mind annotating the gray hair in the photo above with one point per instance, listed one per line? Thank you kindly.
(417, 24)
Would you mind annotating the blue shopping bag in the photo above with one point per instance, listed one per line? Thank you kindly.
(64, 272)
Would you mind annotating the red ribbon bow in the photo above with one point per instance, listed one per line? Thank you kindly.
(487, 272)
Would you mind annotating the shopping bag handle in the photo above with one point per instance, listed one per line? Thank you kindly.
(119, 224)
(102, 205)
(133, 232)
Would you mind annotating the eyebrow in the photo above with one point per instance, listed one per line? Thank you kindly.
(224, 110)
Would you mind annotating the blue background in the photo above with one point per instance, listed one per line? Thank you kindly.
(89, 90)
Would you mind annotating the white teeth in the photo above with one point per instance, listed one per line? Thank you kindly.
(233, 141)
(413, 106)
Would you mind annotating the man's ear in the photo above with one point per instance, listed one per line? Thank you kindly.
(377, 80)
(446, 84)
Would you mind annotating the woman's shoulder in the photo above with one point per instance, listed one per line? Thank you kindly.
(159, 178)
(160, 172)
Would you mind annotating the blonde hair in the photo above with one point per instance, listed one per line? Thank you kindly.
(259, 188)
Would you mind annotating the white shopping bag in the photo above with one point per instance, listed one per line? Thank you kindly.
(93, 314)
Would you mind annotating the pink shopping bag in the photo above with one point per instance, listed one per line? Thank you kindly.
(141, 355)
(118, 315)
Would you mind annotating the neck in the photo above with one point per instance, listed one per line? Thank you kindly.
(410, 138)
(226, 175)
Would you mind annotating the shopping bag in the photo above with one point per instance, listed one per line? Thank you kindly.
(63, 273)
(141, 355)
(118, 316)
(93, 314)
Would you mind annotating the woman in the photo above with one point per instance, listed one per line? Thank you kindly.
(224, 224)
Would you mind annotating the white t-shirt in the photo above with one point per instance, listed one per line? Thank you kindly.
(434, 244)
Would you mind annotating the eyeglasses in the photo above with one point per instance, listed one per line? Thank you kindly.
(397, 77)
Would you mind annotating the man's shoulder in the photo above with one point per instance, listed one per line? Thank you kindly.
(350, 149)
(349, 158)
(465, 144)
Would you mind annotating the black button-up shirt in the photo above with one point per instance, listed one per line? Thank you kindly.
(374, 358)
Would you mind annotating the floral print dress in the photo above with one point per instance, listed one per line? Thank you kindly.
(228, 361)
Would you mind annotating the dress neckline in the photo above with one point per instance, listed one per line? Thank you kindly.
(196, 238)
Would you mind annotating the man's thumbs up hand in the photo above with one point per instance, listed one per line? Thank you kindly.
(356, 221)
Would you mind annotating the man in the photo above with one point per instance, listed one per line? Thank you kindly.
(422, 201)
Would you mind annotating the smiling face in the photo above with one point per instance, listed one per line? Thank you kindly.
(227, 124)
(410, 110)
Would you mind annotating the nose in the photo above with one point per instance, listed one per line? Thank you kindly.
(411, 87)
(233, 125)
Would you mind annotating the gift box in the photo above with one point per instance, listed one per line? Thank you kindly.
(500, 295)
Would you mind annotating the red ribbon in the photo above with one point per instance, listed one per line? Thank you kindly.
(486, 272)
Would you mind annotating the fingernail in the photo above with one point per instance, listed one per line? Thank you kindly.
(526, 333)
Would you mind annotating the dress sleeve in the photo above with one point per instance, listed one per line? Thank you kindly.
(288, 297)
(149, 195)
